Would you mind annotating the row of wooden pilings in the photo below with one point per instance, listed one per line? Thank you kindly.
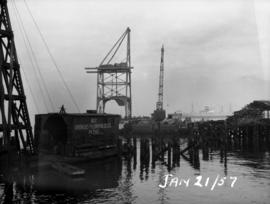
(167, 150)
(245, 137)
(151, 150)
(254, 137)
(207, 136)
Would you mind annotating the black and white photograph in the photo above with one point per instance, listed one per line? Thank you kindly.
(135, 101)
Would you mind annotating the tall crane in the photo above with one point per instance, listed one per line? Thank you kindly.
(159, 114)
(161, 78)
(114, 80)
(15, 125)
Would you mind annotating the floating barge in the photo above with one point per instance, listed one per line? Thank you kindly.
(67, 137)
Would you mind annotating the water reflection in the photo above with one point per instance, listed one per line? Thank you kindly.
(99, 175)
(144, 158)
(134, 178)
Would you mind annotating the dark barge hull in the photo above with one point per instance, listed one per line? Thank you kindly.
(76, 137)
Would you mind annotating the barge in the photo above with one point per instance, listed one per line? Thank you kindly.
(73, 137)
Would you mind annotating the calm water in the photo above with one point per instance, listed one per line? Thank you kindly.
(137, 180)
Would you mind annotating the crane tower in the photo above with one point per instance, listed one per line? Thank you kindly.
(159, 114)
(15, 126)
(114, 80)
(161, 78)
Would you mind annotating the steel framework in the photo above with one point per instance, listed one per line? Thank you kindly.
(14, 121)
(114, 80)
(159, 105)
(159, 114)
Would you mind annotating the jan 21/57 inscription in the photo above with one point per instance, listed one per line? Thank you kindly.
(198, 181)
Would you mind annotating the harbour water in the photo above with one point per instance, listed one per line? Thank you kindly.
(233, 176)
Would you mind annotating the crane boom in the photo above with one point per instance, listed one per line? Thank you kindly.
(161, 78)
(160, 114)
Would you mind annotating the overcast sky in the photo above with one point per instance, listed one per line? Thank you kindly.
(216, 52)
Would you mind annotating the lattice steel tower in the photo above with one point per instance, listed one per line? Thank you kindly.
(159, 105)
(14, 121)
(114, 80)
(160, 114)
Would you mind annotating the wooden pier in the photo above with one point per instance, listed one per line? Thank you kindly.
(247, 129)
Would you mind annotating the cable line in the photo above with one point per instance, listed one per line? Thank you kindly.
(33, 57)
(31, 91)
(52, 58)
(32, 63)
